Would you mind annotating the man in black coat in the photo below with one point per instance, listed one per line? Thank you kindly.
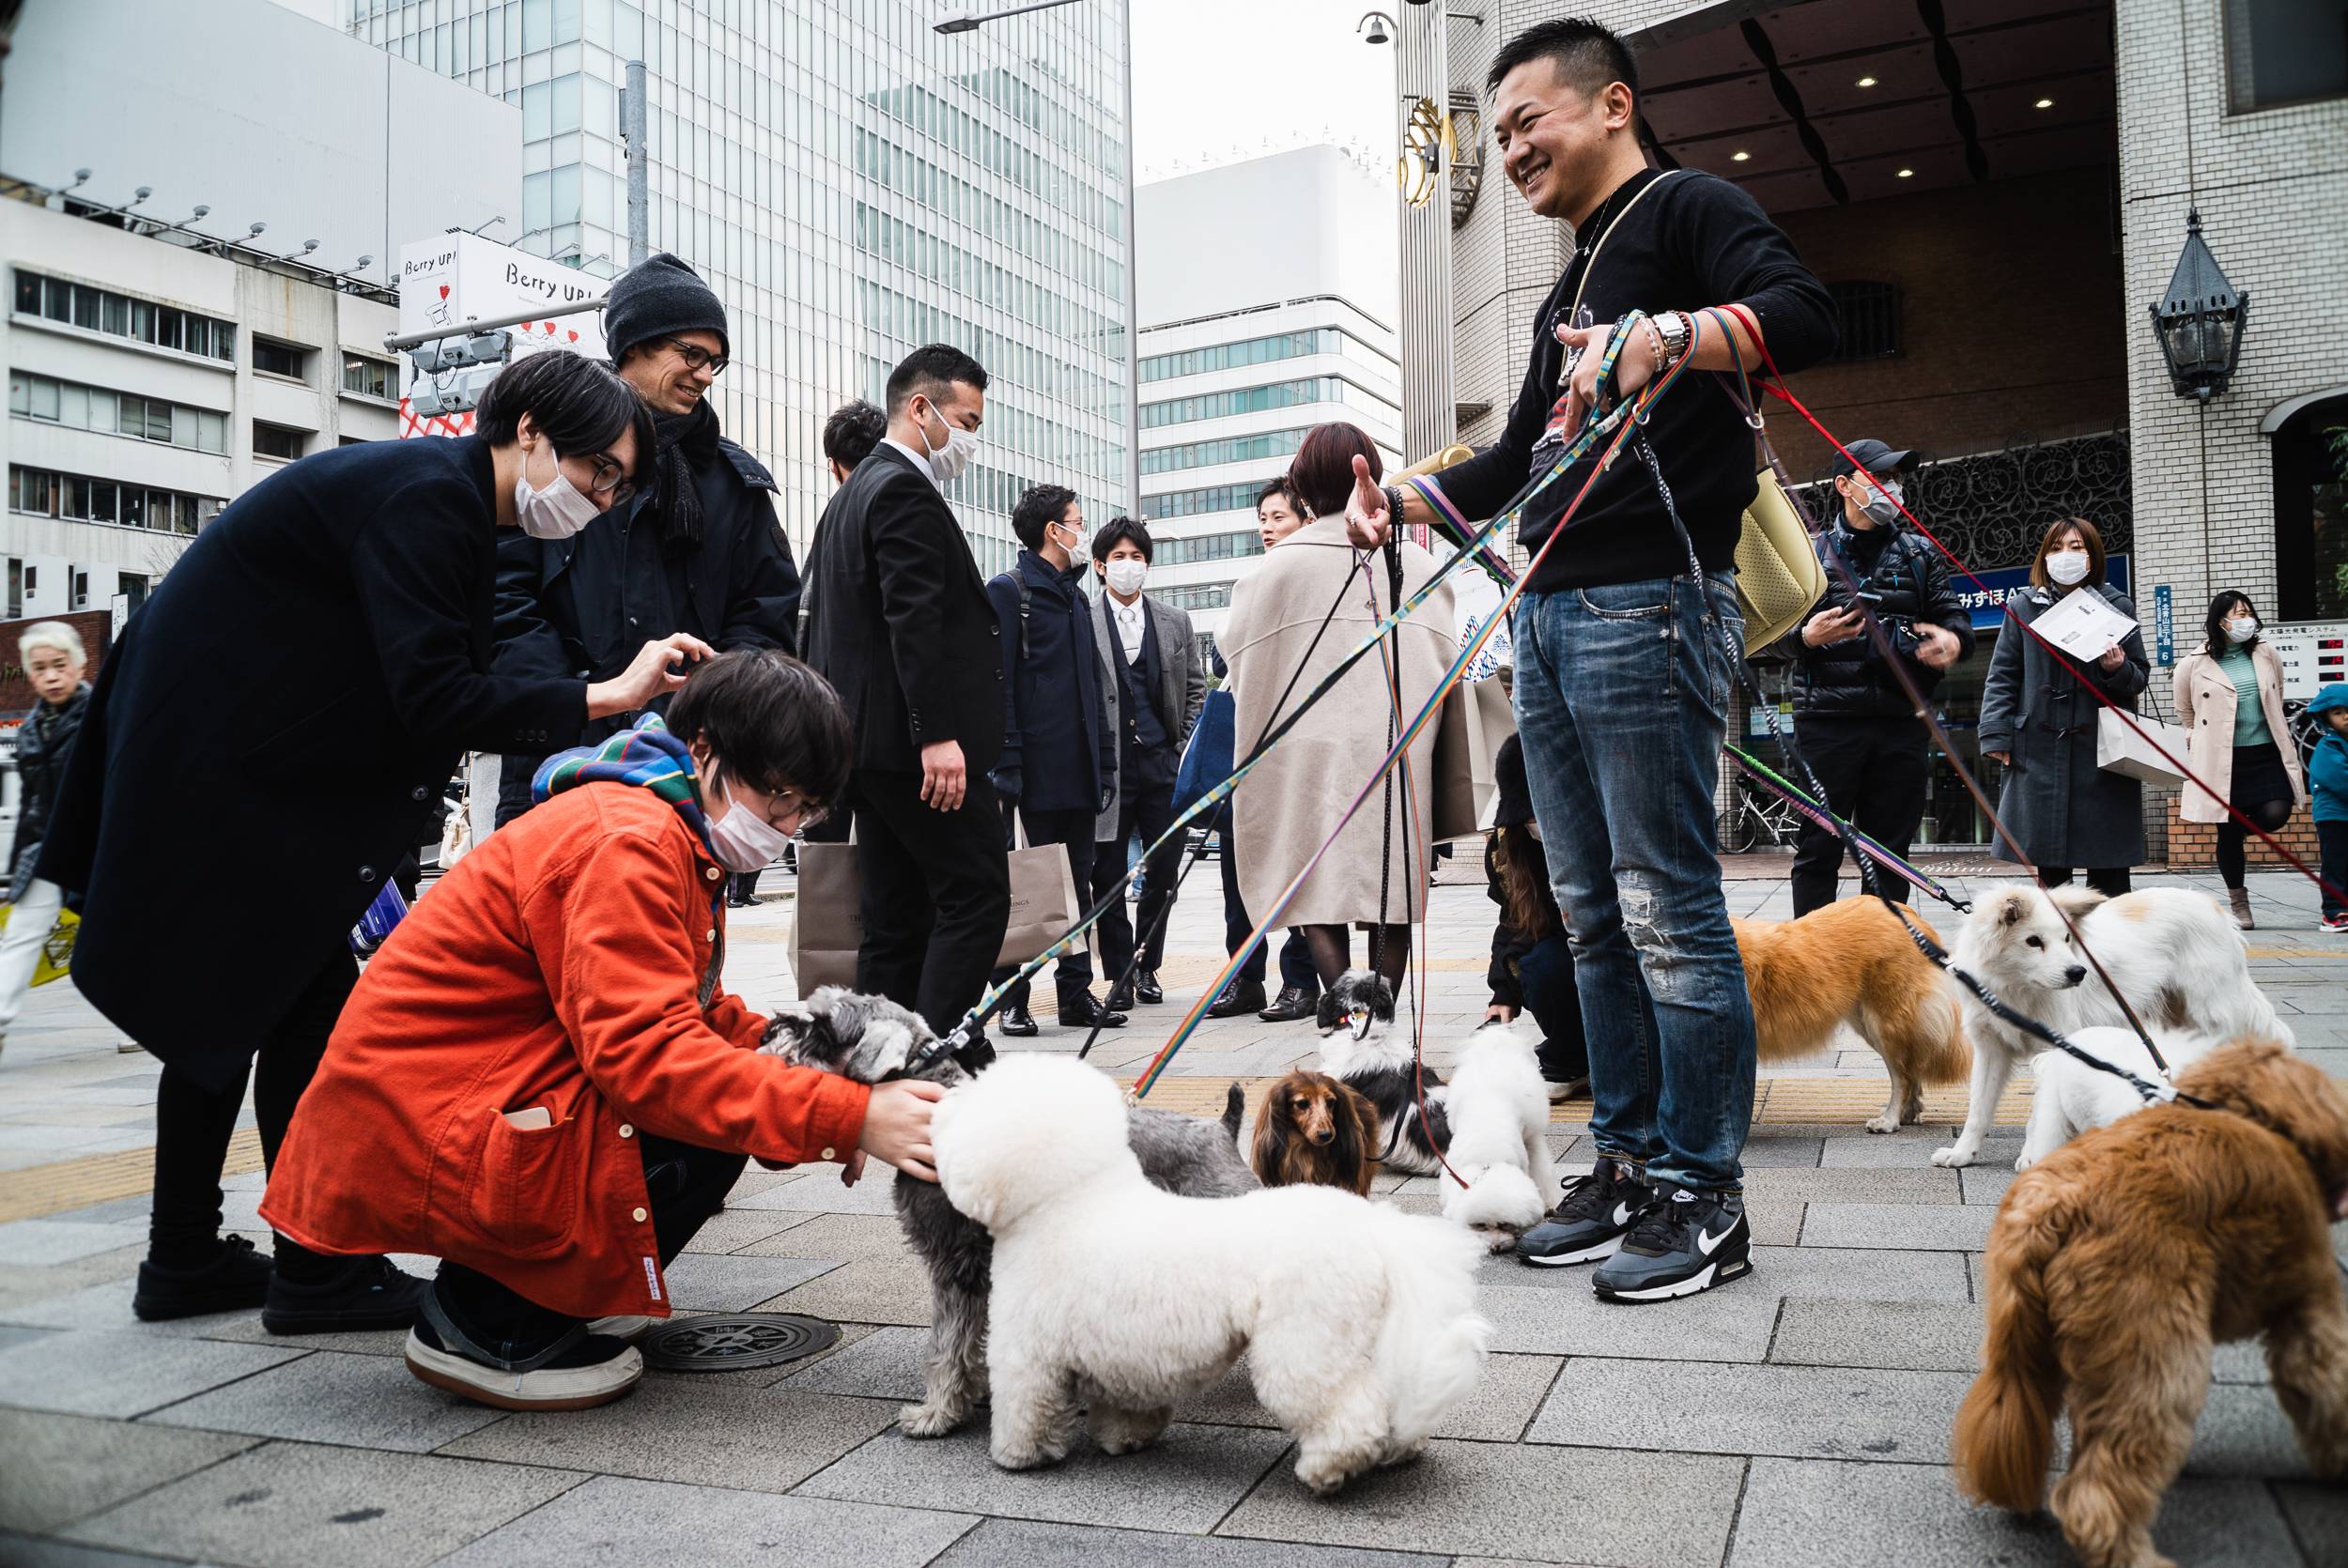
(698, 550)
(904, 630)
(1854, 724)
(1058, 763)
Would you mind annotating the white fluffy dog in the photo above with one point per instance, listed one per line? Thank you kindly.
(2069, 1097)
(1499, 1107)
(2174, 953)
(1358, 1320)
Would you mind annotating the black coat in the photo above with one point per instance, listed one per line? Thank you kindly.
(2063, 808)
(43, 742)
(902, 626)
(1056, 730)
(1849, 679)
(268, 736)
(582, 606)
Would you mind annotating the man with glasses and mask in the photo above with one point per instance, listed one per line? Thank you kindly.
(904, 630)
(1855, 723)
(697, 549)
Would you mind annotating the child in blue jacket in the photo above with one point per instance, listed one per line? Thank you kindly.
(2327, 772)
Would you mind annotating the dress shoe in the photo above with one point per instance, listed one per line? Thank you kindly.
(1239, 997)
(1146, 988)
(1294, 1002)
(1017, 1021)
(1083, 1011)
(1120, 999)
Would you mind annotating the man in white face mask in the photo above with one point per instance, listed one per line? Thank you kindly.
(1854, 721)
(903, 628)
(1155, 684)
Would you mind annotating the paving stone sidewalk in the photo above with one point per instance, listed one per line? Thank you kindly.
(1796, 1419)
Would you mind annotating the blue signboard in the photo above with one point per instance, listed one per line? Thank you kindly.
(2164, 627)
(1986, 603)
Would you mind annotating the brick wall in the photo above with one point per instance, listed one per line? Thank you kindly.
(2193, 846)
(95, 627)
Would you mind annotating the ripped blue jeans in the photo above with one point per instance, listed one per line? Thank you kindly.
(1621, 699)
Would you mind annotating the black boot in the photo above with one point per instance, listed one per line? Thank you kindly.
(1294, 1002)
(1239, 997)
(1017, 1021)
(1081, 1012)
(1146, 988)
(235, 1278)
(366, 1293)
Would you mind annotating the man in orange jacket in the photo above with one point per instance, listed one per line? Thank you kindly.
(538, 1079)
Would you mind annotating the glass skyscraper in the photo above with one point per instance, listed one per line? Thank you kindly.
(853, 185)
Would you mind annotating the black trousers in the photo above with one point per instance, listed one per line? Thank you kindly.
(1296, 954)
(1073, 975)
(2331, 843)
(1875, 771)
(685, 1184)
(937, 894)
(1150, 813)
(194, 1123)
(2110, 881)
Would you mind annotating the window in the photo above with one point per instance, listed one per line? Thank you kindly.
(1225, 356)
(280, 441)
(108, 412)
(2281, 52)
(1235, 449)
(133, 586)
(280, 359)
(80, 591)
(81, 500)
(1869, 313)
(366, 376)
(1255, 400)
(1195, 595)
(100, 309)
(1209, 547)
(2311, 512)
(1212, 498)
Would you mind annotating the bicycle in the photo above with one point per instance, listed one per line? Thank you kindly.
(1761, 819)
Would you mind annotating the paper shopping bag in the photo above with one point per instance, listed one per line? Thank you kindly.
(1475, 720)
(2120, 749)
(1043, 899)
(827, 922)
(56, 949)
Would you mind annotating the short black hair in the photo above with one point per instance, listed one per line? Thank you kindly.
(1286, 489)
(576, 402)
(1116, 531)
(770, 719)
(1042, 504)
(1584, 52)
(852, 433)
(930, 370)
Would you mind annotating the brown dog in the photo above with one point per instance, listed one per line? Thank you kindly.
(1314, 1130)
(2115, 1264)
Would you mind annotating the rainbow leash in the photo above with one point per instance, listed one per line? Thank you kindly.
(1814, 812)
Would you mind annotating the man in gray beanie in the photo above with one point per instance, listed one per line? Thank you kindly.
(697, 549)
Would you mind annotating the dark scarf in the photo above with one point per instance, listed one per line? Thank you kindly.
(684, 443)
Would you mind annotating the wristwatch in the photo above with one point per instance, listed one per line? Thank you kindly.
(1676, 329)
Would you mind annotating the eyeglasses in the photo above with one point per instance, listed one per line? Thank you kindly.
(697, 357)
(611, 480)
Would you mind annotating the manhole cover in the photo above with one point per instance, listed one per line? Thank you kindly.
(735, 1342)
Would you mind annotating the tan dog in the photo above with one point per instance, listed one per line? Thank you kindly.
(2116, 1263)
(1852, 962)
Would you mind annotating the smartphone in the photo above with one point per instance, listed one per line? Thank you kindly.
(1870, 595)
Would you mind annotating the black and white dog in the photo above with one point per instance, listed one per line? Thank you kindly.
(1357, 1021)
(871, 1040)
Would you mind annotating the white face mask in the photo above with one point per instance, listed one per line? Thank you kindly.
(2067, 567)
(947, 462)
(2241, 628)
(1126, 575)
(556, 512)
(743, 839)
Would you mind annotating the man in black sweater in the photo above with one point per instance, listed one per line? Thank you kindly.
(1853, 721)
(1624, 666)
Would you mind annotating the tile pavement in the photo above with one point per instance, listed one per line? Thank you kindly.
(1799, 1417)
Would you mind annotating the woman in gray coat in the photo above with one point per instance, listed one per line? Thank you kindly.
(2063, 810)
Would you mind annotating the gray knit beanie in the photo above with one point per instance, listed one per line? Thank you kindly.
(659, 297)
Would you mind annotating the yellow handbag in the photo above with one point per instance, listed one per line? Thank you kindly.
(1778, 575)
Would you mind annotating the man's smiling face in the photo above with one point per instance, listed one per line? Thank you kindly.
(1553, 136)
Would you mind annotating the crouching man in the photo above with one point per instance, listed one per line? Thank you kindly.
(538, 1079)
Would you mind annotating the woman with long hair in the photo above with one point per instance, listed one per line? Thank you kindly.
(1375, 875)
(2229, 698)
(2040, 719)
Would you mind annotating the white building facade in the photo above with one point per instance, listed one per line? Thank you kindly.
(1267, 308)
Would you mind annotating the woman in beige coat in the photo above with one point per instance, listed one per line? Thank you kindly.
(2229, 698)
(1375, 874)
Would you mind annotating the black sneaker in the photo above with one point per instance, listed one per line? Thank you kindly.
(369, 1292)
(236, 1278)
(1596, 1213)
(595, 1369)
(1687, 1242)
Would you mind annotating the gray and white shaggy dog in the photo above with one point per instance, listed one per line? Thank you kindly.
(871, 1039)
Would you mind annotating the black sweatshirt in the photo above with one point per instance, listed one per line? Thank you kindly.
(1698, 240)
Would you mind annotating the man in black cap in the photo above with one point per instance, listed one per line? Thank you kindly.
(1855, 725)
(698, 550)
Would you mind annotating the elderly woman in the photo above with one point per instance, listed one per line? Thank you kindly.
(289, 703)
(1375, 875)
(540, 1080)
(54, 662)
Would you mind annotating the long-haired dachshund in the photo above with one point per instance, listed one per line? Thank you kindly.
(1314, 1132)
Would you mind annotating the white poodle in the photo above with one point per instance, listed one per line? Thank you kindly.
(2069, 1097)
(1499, 1112)
(1358, 1321)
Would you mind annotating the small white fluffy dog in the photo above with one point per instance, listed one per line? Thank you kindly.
(1499, 1108)
(2069, 1097)
(2174, 953)
(1358, 1321)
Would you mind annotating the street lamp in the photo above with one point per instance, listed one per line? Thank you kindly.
(2198, 323)
(1379, 23)
(970, 21)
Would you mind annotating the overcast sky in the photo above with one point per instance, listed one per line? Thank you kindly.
(1217, 81)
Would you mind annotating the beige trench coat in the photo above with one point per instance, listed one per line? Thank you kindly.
(2205, 705)
(1288, 805)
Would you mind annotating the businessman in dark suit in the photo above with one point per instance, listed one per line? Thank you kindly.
(903, 628)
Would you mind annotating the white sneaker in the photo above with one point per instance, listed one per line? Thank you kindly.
(628, 1328)
(1567, 1088)
(126, 1047)
(596, 1378)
